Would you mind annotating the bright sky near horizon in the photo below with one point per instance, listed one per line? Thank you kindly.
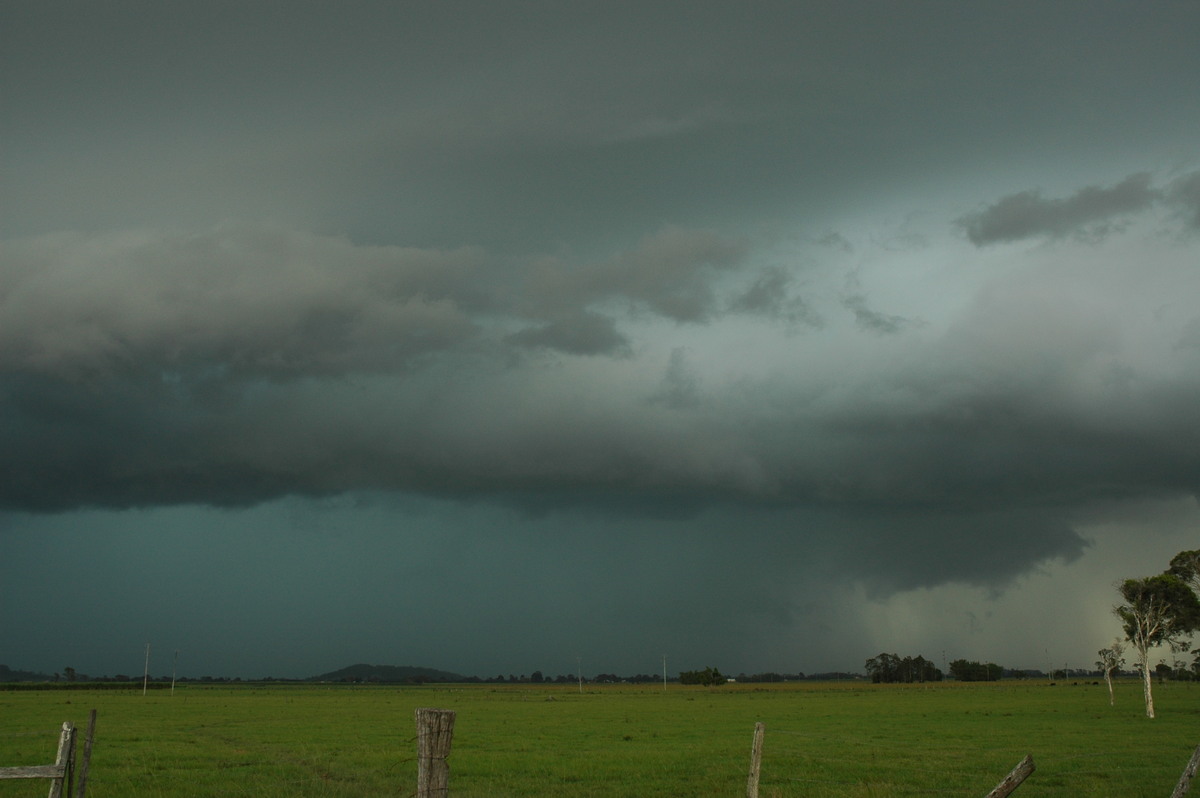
(495, 337)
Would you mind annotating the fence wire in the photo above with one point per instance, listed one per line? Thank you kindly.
(964, 770)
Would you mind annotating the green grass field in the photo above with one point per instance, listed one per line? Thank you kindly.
(822, 739)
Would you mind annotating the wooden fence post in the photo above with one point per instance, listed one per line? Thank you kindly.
(755, 761)
(435, 730)
(1189, 773)
(1013, 780)
(64, 760)
(81, 784)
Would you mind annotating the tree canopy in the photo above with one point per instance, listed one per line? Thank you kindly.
(1158, 610)
(1186, 566)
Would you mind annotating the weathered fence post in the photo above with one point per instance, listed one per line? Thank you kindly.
(81, 785)
(1189, 773)
(435, 730)
(755, 761)
(1013, 780)
(64, 760)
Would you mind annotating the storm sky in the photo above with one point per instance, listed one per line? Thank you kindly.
(502, 337)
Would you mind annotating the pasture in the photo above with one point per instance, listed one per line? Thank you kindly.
(822, 739)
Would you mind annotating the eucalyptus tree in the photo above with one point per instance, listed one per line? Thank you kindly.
(1158, 610)
(1111, 659)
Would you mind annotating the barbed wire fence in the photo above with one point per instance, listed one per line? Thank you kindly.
(873, 763)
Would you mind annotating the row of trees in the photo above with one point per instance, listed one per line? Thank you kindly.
(1157, 610)
(967, 671)
(709, 676)
(890, 669)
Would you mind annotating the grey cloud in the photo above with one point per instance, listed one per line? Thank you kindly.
(965, 427)
(889, 551)
(265, 301)
(670, 272)
(1028, 214)
(583, 334)
(1190, 335)
(1012, 406)
(768, 296)
(680, 383)
(259, 301)
(874, 321)
(835, 240)
(1184, 194)
(866, 317)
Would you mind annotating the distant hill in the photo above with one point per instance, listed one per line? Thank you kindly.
(402, 674)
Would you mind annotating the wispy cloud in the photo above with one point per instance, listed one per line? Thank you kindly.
(1090, 212)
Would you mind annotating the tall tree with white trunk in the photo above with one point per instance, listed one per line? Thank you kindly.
(1111, 659)
(1158, 610)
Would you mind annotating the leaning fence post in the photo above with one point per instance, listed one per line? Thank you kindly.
(755, 761)
(1013, 780)
(1189, 773)
(64, 759)
(435, 730)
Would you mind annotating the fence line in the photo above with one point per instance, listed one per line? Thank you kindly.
(435, 730)
(1007, 785)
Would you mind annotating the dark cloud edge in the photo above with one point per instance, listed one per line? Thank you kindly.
(1088, 214)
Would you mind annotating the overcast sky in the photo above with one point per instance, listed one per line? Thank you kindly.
(501, 337)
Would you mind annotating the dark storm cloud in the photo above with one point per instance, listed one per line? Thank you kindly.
(978, 419)
(1088, 213)
(604, 312)
(396, 124)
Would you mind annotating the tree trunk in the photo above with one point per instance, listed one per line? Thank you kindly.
(1108, 678)
(1146, 689)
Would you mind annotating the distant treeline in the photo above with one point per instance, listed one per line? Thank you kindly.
(71, 678)
(92, 684)
(885, 668)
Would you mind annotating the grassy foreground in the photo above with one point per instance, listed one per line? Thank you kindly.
(821, 739)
